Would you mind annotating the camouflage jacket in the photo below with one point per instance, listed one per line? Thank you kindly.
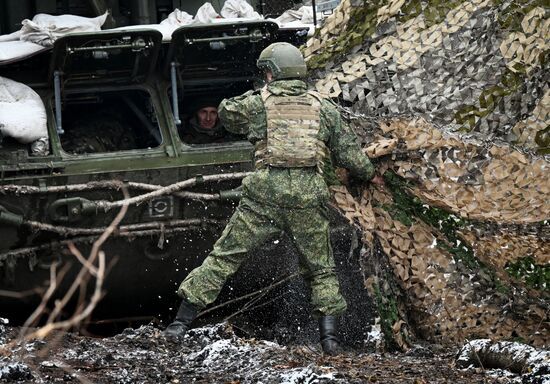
(292, 187)
(192, 133)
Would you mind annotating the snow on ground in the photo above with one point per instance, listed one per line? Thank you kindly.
(215, 354)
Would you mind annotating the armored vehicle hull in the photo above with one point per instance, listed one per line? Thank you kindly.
(117, 102)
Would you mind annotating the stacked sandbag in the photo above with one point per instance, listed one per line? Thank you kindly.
(40, 33)
(44, 29)
(234, 9)
(23, 115)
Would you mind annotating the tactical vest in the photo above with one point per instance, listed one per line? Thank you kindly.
(293, 124)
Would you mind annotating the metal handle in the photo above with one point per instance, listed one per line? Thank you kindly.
(70, 210)
(255, 35)
(57, 92)
(9, 218)
(174, 81)
(136, 45)
(232, 195)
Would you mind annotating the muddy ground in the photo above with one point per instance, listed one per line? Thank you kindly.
(216, 354)
(272, 341)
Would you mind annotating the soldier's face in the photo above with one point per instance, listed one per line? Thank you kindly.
(207, 117)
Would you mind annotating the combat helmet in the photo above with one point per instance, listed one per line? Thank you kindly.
(284, 60)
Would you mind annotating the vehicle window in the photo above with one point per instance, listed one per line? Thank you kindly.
(199, 115)
(101, 122)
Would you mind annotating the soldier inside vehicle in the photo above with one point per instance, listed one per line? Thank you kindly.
(204, 126)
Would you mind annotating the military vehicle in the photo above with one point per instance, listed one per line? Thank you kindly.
(116, 101)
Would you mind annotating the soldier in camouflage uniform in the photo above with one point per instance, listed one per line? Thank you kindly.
(293, 131)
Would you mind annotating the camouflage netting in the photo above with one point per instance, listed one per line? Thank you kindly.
(453, 100)
(451, 237)
(476, 66)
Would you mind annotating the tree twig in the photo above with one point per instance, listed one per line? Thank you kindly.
(107, 205)
(82, 312)
(244, 297)
(83, 261)
(75, 231)
(78, 282)
(21, 294)
(115, 185)
(190, 225)
(55, 278)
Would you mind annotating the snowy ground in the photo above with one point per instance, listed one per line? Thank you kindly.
(214, 354)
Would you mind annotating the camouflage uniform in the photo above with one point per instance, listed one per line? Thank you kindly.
(192, 133)
(279, 199)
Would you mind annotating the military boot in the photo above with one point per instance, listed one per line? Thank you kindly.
(329, 341)
(186, 314)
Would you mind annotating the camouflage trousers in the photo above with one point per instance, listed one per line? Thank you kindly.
(253, 224)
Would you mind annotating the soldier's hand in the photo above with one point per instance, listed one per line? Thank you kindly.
(378, 180)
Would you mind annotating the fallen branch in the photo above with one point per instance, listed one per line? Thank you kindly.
(123, 232)
(116, 185)
(104, 205)
(252, 294)
(75, 231)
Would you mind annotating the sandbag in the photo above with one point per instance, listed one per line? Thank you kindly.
(44, 29)
(14, 50)
(239, 9)
(205, 14)
(14, 36)
(167, 26)
(22, 112)
(304, 15)
(165, 29)
(178, 18)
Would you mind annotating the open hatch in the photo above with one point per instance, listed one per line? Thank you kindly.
(214, 61)
(100, 102)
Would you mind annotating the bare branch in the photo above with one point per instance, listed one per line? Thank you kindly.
(21, 294)
(128, 232)
(74, 231)
(106, 205)
(116, 185)
(78, 282)
(81, 280)
(74, 250)
(54, 281)
(80, 314)
(255, 293)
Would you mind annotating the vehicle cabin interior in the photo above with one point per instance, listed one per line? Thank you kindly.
(99, 122)
(99, 101)
(211, 63)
